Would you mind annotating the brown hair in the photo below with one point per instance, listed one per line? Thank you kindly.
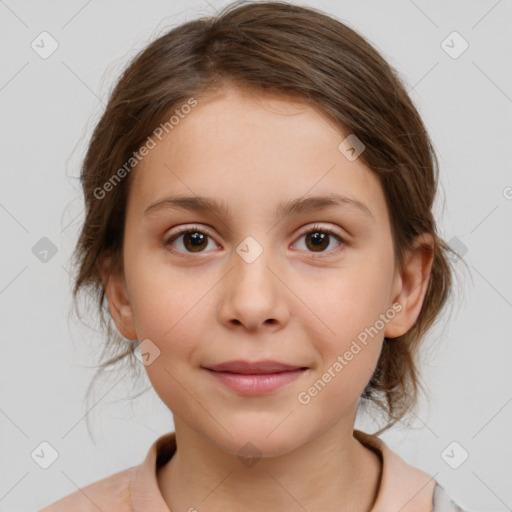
(296, 51)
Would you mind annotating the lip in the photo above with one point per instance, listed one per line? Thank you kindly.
(256, 367)
(255, 378)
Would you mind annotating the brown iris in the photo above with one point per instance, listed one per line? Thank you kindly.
(319, 239)
(198, 240)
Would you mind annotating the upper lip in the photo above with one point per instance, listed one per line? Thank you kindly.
(247, 367)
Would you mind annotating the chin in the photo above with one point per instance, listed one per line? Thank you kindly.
(254, 440)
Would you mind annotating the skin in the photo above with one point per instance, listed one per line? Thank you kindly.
(253, 151)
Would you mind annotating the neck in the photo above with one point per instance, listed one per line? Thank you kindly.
(340, 474)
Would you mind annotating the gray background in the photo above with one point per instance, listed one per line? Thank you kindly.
(48, 109)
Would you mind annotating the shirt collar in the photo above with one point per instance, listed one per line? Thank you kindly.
(402, 487)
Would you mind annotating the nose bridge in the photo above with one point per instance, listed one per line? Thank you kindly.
(253, 295)
(252, 264)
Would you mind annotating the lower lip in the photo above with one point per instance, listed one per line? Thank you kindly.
(256, 384)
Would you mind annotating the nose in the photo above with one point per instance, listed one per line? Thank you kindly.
(253, 295)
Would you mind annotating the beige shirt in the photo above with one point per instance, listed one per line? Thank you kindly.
(402, 487)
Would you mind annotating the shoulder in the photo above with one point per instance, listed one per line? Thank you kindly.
(404, 487)
(443, 503)
(111, 493)
(135, 487)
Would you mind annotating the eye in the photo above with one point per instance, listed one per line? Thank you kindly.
(317, 239)
(195, 240)
(192, 240)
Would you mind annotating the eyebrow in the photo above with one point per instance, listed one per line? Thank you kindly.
(284, 209)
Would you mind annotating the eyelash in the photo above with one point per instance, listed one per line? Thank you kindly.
(313, 229)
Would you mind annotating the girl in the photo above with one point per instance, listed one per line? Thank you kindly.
(258, 216)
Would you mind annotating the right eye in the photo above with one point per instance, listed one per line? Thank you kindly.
(192, 240)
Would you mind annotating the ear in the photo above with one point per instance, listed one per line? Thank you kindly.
(118, 303)
(410, 286)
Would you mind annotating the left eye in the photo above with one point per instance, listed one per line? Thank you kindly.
(317, 240)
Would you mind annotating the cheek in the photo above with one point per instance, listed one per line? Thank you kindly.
(169, 317)
(172, 313)
(351, 309)
(166, 304)
(172, 320)
(347, 303)
(348, 358)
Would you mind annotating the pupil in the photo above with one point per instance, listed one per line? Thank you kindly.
(196, 239)
(318, 238)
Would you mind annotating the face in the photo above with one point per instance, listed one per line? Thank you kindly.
(256, 282)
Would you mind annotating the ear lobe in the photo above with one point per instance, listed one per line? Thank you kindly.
(413, 285)
(118, 302)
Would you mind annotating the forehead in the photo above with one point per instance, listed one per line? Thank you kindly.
(246, 148)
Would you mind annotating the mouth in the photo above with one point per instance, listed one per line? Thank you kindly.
(251, 368)
(255, 378)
